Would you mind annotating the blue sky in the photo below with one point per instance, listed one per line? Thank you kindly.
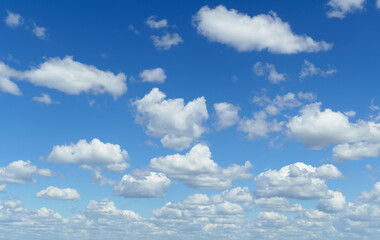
(191, 119)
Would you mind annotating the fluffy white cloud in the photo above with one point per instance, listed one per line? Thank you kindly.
(237, 194)
(3, 188)
(378, 3)
(166, 41)
(269, 71)
(111, 156)
(245, 33)
(279, 204)
(356, 151)
(227, 115)
(153, 75)
(6, 85)
(20, 172)
(298, 181)
(66, 194)
(371, 197)
(259, 126)
(40, 32)
(141, 184)
(332, 202)
(198, 170)
(45, 98)
(152, 23)
(73, 77)
(177, 124)
(340, 8)
(309, 70)
(13, 19)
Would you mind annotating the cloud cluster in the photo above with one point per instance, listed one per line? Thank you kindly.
(96, 153)
(309, 70)
(259, 126)
(177, 124)
(340, 8)
(245, 33)
(197, 170)
(15, 20)
(66, 194)
(21, 172)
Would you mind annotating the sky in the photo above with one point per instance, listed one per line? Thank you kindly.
(189, 119)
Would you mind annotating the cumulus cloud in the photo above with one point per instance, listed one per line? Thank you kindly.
(318, 129)
(66, 194)
(227, 115)
(21, 172)
(153, 75)
(238, 194)
(166, 41)
(259, 126)
(6, 85)
(177, 124)
(378, 3)
(245, 33)
(72, 77)
(97, 153)
(13, 19)
(332, 202)
(40, 32)
(309, 70)
(297, 181)
(3, 188)
(340, 8)
(152, 23)
(371, 197)
(198, 170)
(44, 98)
(279, 204)
(143, 184)
(269, 71)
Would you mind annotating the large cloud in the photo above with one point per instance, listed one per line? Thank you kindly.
(256, 33)
(111, 156)
(198, 170)
(66, 194)
(298, 181)
(142, 184)
(21, 172)
(177, 124)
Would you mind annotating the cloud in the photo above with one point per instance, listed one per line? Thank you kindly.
(133, 29)
(152, 23)
(269, 71)
(177, 124)
(356, 151)
(378, 3)
(259, 126)
(72, 77)
(245, 33)
(279, 204)
(45, 98)
(14, 19)
(67, 194)
(238, 194)
(227, 115)
(340, 8)
(372, 197)
(3, 188)
(309, 70)
(143, 184)
(153, 75)
(20, 172)
(97, 153)
(40, 32)
(197, 170)
(6, 85)
(297, 181)
(332, 202)
(166, 41)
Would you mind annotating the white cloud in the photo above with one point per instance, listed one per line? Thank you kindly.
(340, 8)
(198, 170)
(153, 75)
(332, 202)
(259, 126)
(269, 71)
(13, 19)
(237, 194)
(72, 77)
(227, 115)
(371, 197)
(3, 188)
(20, 172)
(356, 151)
(151, 21)
(45, 98)
(297, 181)
(166, 41)
(6, 85)
(142, 184)
(66, 194)
(40, 32)
(111, 156)
(309, 70)
(177, 124)
(245, 33)
(44, 172)
(378, 3)
(279, 204)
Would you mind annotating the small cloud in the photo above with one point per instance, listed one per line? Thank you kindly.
(166, 41)
(269, 71)
(14, 20)
(40, 32)
(152, 23)
(153, 75)
(133, 29)
(309, 70)
(45, 98)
